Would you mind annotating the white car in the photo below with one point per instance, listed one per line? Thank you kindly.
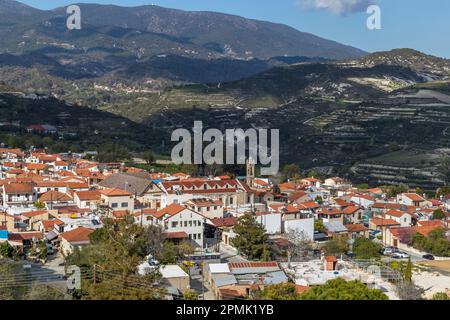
(400, 255)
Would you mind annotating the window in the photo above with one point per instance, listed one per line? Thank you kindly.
(215, 207)
(174, 224)
(208, 209)
(88, 203)
(124, 204)
(199, 236)
(185, 223)
(195, 236)
(190, 223)
(114, 205)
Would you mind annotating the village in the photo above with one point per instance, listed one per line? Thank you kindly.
(316, 230)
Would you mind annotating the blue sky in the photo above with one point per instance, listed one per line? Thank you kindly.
(420, 24)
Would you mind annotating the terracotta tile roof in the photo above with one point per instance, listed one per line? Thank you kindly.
(175, 235)
(88, 195)
(414, 197)
(287, 186)
(36, 166)
(55, 196)
(425, 230)
(395, 213)
(32, 214)
(115, 192)
(224, 222)
(80, 234)
(296, 195)
(77, 185)
(343, 203)
(119, 214)
(18, 188)
(350, 210)
(330, 211)
(309, 205)
(384, 222)
(356, 228)
(256, 264)
(430, 223)
(170, 210)
(386, 205)
(49, 224)
(20, 236)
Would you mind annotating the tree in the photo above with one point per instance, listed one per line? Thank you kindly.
(365, 249)
(6, 251)
(251, 238)
(336, 246)
(318, 225)
(282, 291)
(39, 205)
(190, 295)
(148, 157)
(298, 243)
(438, 214)
(409, 291)
(393, 191)
(407, 274)
(440, 296)
(172, 253)
(290, 171)
(339, 289)
(113, 255)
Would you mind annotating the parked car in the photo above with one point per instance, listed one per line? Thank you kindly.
(428, 256)
(388, 251)
(400, 255)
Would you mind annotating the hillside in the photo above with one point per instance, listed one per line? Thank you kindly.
(219, 33)
(428, 66)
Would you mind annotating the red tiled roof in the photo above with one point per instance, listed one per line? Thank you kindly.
(55, 196)
(119, 214)
(384, 222)
(350, 210)
(395, 213)
(34, 213)
(80, 234)
(115, 192)
(171, 210)
(88, 195)
(175, 235)
(356, 227)
(414, 197)
(20, 236)
(18, 188)
(256, 264)
(224, 222)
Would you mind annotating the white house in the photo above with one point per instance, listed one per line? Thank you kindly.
(363, 200)
(271, 221)
(412, 199)
(405, 219)
(87, 199)
(182, 222)
(209, 208)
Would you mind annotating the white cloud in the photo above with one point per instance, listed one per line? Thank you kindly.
(336, 7)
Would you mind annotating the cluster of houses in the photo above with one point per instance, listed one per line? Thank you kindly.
(61, 199)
